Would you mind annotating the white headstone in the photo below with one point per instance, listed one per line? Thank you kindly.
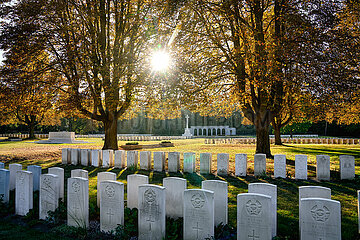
(189, 162)
(174, 191)
(241, 164)
(133, 182)
(119, 159)
(259, 164)
(198, 214)
(75, 154)
(107, 158)
(79, 173)
(223, 164)
(314, 192)
(254, 217)
(84, 157)
(103, 176)
(65, 156)
(159, 161)
(48, 195)
(145, 160)
(320, 219)
(132, 158)
(36, 170)
(111, 205)
(205, 163)
(13, 168)
(151, 205)
(2, 165)
(174, 161)
(78, 202)
(300, 167)
(269, 190)
(60, 173)
(23, 192)
(323, 167)
(96, 158)
(4, 185)
(279, 166)
(347, 167)
(220, 189)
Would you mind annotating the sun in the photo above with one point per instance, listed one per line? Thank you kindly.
(160, 60)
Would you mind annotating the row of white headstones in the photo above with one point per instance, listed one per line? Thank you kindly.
(201, 209)
(110, 158)
(284, 140)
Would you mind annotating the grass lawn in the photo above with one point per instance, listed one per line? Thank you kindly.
(49, 155)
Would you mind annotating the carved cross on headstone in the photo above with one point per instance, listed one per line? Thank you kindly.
(109, 213)
(75, 209)
(253, 237)
(197, 228)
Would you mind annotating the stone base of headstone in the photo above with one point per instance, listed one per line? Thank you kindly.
(60, 138)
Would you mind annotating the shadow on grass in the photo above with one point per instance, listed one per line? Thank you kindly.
(326, 150)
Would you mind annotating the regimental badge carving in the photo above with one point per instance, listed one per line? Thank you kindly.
(76, 186)
(150, 196)
(22, 178)
(347, 165)
(47, 182)
(110, 191)
(197, 200)
(320, 214)
(253, 207)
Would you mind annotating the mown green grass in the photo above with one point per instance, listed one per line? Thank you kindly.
(288, 213)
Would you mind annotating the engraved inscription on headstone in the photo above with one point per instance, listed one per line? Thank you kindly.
(159, 161)
(49, 194)
(205, 163)
(132, 158)
(189, 162)
(23, 192)
(279, 166)
(254, 217)
(198, 214)
(103, 176)
(151, 205)
(347, 167)
(300, 167)
(323, 167)
(259, 164)
(174, 161)
(269, 190)
(320, 219)
(223, 164)
(240, 164)
(111, 205)
(78, 202)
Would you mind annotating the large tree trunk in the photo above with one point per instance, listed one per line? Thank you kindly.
(262, 125)
(111, 141)
(277, 134)
(263, 140)
(31, 131)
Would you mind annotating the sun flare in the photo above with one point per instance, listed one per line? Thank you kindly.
(160, 60)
